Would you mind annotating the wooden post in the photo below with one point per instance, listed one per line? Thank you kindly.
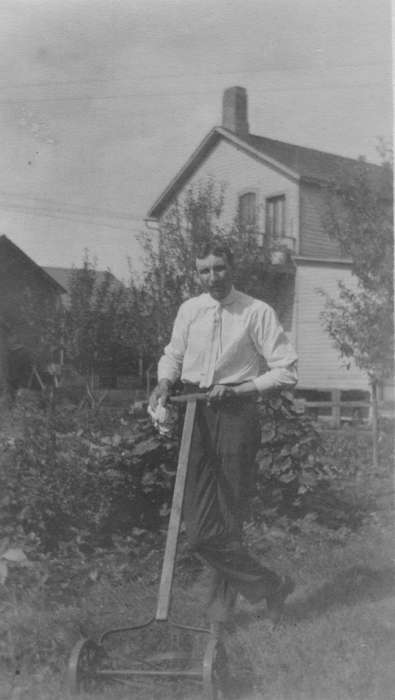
(375, 423)
(35, 373)
(148, 382)
(336, 408)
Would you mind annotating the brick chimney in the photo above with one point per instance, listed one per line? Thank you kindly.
(235, 111)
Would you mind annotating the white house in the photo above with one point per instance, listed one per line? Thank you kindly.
(279, 187)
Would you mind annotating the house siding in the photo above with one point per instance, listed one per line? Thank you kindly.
(320, 365)
(241, 172)
(314, 241)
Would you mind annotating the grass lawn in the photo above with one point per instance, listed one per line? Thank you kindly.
(335, 642)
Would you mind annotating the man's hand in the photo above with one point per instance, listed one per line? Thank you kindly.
(161, 391)
(220, 392)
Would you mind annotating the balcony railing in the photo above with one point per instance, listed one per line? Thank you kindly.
(286, 241)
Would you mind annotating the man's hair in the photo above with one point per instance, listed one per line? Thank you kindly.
(214, 246)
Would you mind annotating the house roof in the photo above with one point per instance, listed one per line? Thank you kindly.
(295, 162)
(310, 163)
(7, 245)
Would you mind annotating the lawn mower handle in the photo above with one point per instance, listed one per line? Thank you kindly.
(183, 398)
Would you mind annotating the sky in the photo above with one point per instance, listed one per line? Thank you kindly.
(103, 101)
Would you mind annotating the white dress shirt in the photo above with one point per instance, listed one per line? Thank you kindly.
(235, 340)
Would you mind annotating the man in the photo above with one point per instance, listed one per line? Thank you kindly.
(219, 344)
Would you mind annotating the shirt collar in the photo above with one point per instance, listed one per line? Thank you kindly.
(227, 301)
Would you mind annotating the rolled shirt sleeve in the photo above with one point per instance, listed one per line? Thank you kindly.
(170, 364)
(273, 345)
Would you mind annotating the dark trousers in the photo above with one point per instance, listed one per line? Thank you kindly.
(220, 475)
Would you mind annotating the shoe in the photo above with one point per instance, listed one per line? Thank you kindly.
(275, 602)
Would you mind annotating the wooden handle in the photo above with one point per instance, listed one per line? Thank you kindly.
(183, 398)
(169, 560)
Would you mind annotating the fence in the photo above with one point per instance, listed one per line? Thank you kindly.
(338, 411)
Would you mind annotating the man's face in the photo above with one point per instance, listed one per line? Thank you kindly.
(215, 274)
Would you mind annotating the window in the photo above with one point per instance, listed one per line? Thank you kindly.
(247, 210)
(275, 217)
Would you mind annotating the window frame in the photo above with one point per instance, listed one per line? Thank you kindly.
(241, 195)
(270, 222)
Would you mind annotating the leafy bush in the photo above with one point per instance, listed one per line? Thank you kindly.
(288, 465)
(68, 478)
(349, 451)
(86, 477)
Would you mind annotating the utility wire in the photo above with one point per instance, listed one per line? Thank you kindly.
(134, 95)
(63, 207)
(25, 209)
(162, 76)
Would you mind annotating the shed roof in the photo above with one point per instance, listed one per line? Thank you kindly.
(8, 246)
(62, 275)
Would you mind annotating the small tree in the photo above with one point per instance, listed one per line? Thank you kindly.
(100, 327)
(360, 320)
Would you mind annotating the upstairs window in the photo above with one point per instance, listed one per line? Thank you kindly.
(275, 216)
(247, 210)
